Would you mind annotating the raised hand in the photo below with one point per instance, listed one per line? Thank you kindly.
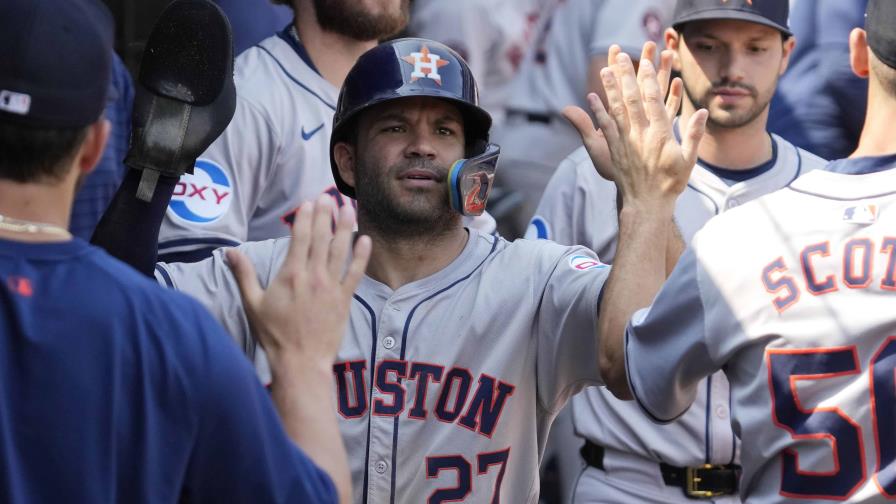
(650, 165)
(592, 137)
(301, 316)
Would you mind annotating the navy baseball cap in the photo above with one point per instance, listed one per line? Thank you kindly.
(880, 24)
(772, 13)
(55, 61)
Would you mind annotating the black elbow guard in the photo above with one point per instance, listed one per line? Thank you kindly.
(185, 94)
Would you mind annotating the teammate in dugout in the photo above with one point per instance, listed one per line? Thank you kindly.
(730, 56)
(461, 347)
(112, 389)
(791, 295)
(273, 156)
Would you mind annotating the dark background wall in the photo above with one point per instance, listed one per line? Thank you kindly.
(251, 20)
(134, 20)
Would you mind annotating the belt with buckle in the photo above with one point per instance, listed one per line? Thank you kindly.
(703, 482)
(532, 116)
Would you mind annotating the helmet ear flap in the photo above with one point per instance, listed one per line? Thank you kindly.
(470, 181)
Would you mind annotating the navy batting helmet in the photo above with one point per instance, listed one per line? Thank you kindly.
(402, 68)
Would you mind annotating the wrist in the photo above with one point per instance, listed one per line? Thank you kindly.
(290, 368)
(647, 210)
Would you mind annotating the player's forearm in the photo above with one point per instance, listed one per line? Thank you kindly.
(129, 228)
(638, 272)
(674, 247)
(305, 400)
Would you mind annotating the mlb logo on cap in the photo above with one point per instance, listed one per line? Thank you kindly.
(16, 103)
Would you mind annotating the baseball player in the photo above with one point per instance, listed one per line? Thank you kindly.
(730, 61)
(569, 48)
(461, 347)
(113, 389)
(792, 296)
(492, 36)
(274, 154)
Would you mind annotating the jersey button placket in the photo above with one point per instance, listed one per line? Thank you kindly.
(392, 323)
(721, 411)
(382, 426)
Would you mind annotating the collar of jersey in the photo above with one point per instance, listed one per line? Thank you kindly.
(478, 246)
(731, 177)
(862, 165)
(290, 36)
(43, 250)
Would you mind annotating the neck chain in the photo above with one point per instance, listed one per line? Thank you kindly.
(24, 226)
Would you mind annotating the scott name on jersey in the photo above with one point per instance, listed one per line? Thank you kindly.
(824, 267)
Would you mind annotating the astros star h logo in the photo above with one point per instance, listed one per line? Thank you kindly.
(426, 65)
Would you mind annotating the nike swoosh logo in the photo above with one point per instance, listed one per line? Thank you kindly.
(307, 135)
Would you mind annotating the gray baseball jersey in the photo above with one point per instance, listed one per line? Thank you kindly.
(274, 155)
(791, 295)
(579, 207)
(447, 386)
(554, 73)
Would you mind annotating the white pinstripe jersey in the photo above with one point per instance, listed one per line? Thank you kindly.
(793, 296)
(447, 386)
(579, 207)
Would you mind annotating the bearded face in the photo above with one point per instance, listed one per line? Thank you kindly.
(398, 211)
(362, 20)
(730, 104)
(402, 156)
(731, 68)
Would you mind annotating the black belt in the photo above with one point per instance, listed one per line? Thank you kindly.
(532, 116)
(704, 482)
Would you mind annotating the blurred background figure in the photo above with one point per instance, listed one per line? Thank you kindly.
(561, 68)
(820, 103)
(492, 35)
(274, 155)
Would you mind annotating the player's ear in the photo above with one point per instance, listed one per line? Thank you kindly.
(858, 53)
(673, 42)
(787, 49)
(344, 156)
(94, 144)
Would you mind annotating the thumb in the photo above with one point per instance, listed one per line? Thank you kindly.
(581, 121)
(246, 279)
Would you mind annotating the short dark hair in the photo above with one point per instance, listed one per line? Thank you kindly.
(886, 74)
(32, 154)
